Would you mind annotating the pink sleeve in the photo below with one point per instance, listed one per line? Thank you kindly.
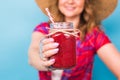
(42, 27)
(100, 39)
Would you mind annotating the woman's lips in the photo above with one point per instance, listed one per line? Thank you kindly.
(70, 8)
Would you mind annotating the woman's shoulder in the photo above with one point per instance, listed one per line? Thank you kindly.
(42, 27)
(98, 37)
(43, 24)
(94, 31)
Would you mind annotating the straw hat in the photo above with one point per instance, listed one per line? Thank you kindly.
(102, 8)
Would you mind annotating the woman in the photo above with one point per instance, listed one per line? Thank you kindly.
(86, 16)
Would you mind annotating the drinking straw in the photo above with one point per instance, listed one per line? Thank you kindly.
(49, 15)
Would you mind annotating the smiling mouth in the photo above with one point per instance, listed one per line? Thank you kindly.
(70, 8)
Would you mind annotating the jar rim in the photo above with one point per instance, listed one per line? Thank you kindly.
(62, 25)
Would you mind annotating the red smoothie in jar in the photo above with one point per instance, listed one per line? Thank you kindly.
(66, 56)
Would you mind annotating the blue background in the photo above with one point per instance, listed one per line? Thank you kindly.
(17, 20)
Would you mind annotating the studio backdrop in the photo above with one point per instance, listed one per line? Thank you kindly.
(17, 21)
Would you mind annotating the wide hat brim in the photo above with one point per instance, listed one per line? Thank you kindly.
(102, 8)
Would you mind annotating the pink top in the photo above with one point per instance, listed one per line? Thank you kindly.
(85, 55)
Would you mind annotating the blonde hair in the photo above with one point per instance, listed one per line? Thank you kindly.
(87, 19)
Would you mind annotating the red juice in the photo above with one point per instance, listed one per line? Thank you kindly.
(66, 56)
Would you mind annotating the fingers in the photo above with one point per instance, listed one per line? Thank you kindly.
(47, 65)
(49, 62)
(51, 52)
(47, 40)
(48, 53)
(49, 47)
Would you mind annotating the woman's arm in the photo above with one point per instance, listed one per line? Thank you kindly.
(111, 57)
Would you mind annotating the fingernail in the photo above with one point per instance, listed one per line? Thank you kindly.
(51, 39)
(55, 50)
(56, 44)
(52, 60)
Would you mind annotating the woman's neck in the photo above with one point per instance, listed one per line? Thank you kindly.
(75, 20)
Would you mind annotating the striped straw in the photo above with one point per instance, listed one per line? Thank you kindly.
(49, 15)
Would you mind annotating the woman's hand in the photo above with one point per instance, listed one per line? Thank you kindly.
(48, 48)
(39, 55)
